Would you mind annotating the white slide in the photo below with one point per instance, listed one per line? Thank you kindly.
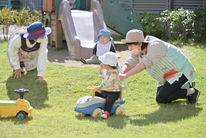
(81, 28)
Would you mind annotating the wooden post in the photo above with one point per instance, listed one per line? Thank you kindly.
(101, 1)
(59, 34)
(88, 4)
(57, 31)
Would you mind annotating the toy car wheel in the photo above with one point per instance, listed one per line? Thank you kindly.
(21, 115)
(97, 112)
(83, 115)
(120, 111)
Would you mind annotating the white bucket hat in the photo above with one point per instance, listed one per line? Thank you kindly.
(109, 58)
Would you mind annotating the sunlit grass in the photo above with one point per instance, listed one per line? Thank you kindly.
(53, 102)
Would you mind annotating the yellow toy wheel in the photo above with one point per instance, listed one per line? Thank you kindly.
(82, 115)
(97, 113)
(120, 111)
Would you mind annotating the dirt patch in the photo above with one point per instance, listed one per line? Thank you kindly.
(61, 56)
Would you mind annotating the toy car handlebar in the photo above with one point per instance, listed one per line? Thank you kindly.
(21, 92)
(92, 89)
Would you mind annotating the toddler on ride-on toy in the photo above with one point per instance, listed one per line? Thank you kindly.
(110, 89)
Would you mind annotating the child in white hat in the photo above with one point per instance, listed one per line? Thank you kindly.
(110, 87)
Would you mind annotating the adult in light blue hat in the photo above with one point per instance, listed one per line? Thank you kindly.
(27, 50)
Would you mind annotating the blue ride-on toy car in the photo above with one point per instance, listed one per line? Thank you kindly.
(93, 105)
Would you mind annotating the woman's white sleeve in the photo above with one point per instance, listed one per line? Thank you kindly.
(42, 58)
(12, 51)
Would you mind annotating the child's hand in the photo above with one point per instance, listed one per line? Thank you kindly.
(98, 89)
(17, 73)
(41, 79)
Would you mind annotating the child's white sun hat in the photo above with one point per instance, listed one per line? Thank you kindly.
(109, 58)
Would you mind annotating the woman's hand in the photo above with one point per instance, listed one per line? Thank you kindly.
(17, 73)
(122, 76)
(41, 79)
(136, 51)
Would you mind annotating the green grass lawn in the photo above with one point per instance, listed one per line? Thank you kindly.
(53, 104)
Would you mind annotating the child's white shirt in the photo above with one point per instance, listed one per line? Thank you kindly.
(103, 48)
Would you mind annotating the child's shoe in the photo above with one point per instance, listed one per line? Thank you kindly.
(105, 115)
(83, 61)
(193, 98)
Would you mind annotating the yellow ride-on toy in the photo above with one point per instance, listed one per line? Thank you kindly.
(20, 108)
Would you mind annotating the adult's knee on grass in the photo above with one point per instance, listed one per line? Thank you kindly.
(162, 99)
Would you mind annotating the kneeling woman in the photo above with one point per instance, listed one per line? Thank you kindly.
(28, 51)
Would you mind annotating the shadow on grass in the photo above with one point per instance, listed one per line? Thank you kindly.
(172, 112)
(15, 120)
(38, 92)
(114, 121)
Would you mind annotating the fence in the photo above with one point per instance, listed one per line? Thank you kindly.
(156, 6)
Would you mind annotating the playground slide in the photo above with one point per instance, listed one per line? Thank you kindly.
(81, 28)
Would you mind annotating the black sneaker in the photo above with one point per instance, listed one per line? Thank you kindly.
(193, 98)
(83, 61)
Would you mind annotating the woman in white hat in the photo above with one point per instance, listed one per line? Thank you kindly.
(27, 51)
(165, 63)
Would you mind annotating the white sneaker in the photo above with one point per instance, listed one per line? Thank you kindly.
(104, 116)
(187, 85)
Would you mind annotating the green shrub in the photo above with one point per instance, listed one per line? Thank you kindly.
(23, 17)
(177, 24)
(7, 18)
(26, 17)
(200, 24)
(150, 24)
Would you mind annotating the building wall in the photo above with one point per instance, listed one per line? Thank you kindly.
(3, 3)
(28, 4)
(156, 6)
(31, 4)
(187, 4)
